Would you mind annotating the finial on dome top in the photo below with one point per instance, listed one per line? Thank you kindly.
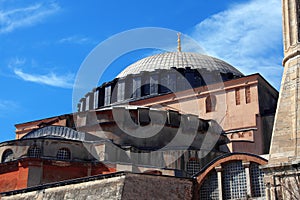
(179, 42)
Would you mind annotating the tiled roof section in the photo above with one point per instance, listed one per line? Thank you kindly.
(56, 132)
(179, 60)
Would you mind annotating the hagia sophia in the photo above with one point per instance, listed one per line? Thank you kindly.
(174, 125)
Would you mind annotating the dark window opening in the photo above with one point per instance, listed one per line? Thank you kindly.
(121, 91)
(63, 154)
(210, 103)
(136, 87)
(154, 84)
(7, 155)
(107, 95)
(193, 166)
(237, 97)
(248, 94)
(34, 152)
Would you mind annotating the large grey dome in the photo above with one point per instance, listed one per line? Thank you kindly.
(179, 60)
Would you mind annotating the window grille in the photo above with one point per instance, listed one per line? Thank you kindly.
(234, 180)
(34, 152)
(193, 166)
(63, 154)
(257, 183)
(209, 189)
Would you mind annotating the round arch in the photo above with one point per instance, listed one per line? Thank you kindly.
(227, 158)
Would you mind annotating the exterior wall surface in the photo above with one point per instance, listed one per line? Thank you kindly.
(156, 187)
(30, 172)
(63, 120)
(242, 122)
(99, 189)
(128, 186)
(13, 176)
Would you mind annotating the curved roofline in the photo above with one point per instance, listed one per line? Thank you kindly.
(62, 132)
(183, 60)
(40, 138)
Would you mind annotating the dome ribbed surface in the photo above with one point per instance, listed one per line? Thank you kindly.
(179, 60)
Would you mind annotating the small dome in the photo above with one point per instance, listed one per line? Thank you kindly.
(179, 60)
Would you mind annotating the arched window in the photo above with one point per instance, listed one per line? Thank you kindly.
(234, 180)
(210, 103)
(107, 95)
(136, 87)
(248, 94)
(239, 179)
(121, 91)
(257, 180)
(193, 166)
(209, 189)
(63, 154)
(7, 155)
(34, 152)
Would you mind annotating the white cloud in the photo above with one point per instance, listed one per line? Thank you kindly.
(25, 16)
(7, 105)
(76, 39)
(248, 36)
(63, 81)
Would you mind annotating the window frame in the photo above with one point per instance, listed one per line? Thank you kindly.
(61, 154)
(6, 154)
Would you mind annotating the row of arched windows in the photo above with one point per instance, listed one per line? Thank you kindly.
(36, 152)
(145, 84)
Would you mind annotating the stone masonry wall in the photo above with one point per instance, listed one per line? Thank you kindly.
(156, 187)
(110, 188)
(125, 186)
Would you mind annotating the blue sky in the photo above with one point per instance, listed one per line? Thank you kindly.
(43, 43)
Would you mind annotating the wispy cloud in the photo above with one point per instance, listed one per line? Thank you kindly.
(76, 39)
(7, 105)
(26, 16)
(52, 79)
(246, 35)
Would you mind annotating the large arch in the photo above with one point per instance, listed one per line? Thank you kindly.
(245, 169)
(226, 158)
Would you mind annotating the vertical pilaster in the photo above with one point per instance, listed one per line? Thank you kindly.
(219, 175)
(246, 166)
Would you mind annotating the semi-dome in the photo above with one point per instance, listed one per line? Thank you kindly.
(179, 60)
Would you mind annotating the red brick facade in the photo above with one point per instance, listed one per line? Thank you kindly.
(18, 175)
